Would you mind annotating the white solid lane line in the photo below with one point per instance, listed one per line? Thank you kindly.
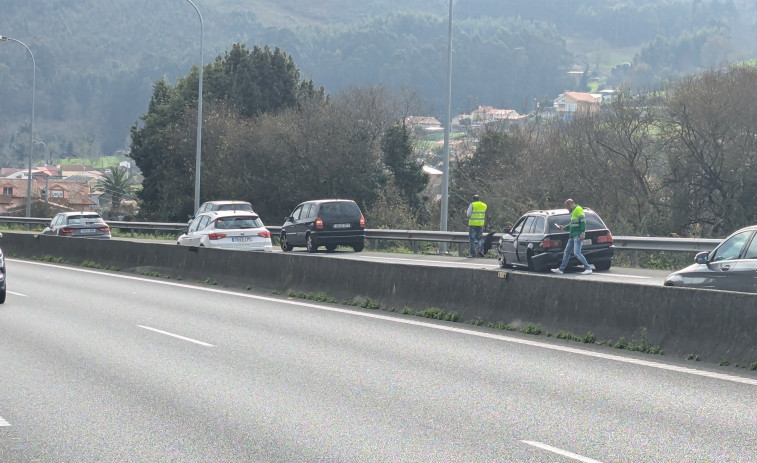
(3, 422)
(561, 452)
(183, 338)
(406, 321)
(16, 294)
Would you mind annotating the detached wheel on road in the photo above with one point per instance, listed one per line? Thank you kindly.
(285, 246)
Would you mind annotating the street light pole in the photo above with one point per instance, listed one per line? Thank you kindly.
(447, 127)
(198, 156)
(31, 131)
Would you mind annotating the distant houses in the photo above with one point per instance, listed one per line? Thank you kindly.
(571, 104)
(53, 189)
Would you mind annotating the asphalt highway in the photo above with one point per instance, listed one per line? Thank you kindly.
(108, 366)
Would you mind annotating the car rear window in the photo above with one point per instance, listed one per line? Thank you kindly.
(80, 219)
(227, 223)
(234, 207)
(593, 222)
(339, 210)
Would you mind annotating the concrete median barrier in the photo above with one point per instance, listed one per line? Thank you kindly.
(715, 325)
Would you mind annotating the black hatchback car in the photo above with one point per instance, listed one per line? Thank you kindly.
(325, 222)
(537, 243)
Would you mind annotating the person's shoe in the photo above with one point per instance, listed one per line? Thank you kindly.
(557, 271)
(470, 255)
(586, 272)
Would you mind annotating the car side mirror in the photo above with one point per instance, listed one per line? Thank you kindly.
(288, 218)
(701, 258)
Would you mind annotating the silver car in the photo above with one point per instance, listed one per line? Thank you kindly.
(731, 266)
(240, 230)
(83, 224)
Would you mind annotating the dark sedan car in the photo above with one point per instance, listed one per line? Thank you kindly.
(325, 222)
(731, 266)
(537, 243)
(83, 224)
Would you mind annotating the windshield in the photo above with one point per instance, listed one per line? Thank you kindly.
(234, 207)
(593, 222)
(227, 223)
(83, 219)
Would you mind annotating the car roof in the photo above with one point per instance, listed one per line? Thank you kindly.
(554, 211)
(226, 201)
(68, 214)
(321, 201)
(222, 214)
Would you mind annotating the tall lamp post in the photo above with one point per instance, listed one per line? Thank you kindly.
(198, 156)
(447, 127)
(31, 131)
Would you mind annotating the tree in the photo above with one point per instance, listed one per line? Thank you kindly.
(116, 184)
(398, 153)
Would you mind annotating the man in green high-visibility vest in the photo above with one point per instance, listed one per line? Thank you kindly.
(576, 229)
(476, 218)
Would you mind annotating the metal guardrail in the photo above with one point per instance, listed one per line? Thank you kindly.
(632, 243)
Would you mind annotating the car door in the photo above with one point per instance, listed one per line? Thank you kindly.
(294, 231)
(741, 274)
(50, 229)
(522, 240)
(193, 236)
(509, 242)
(719, 271)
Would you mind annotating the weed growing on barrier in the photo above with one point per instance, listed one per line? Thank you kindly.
(51, 259)
(370, 304)
(531, 329)
(642, 346)
(95, 265)
(151, 274)
(209, 281)
(724, 363)
(693, 357)
(318, 297)
(753, 366)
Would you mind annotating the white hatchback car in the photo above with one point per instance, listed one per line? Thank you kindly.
(239, 230)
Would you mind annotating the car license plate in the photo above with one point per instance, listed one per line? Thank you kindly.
(342, 225)
(87, 230)
(240, 239)
(586, 242)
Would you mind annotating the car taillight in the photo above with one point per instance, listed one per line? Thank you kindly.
(265, 234)
(605, 238)
(362, 221)
(216, 236)
(105, 229)
(318, 223)
(548, 243)
(66, 230)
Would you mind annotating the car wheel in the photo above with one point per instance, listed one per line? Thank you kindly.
(330, 247)
(2, 295)
(285, 246)
(310, 243)
(603, 265)
(358, 247)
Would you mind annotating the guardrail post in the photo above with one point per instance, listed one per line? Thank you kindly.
(634, 258)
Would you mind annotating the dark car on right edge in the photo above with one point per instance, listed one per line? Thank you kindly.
(325, 222)
(731, 266)
(537, 243)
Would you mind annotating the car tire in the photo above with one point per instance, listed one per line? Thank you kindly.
(2, 295)
(358, 247)
(603, 265)
(285, 246)
(310, 243)
(530, 261)
(330, 247)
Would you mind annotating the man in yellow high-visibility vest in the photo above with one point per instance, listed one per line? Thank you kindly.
(476, 218)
